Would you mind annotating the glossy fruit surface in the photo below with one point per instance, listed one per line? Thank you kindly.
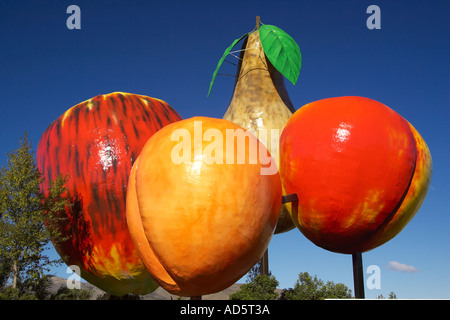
(359, 169)
(198, 224)
(96, 143)
(412, 201)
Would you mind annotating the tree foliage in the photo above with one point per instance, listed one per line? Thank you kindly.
(28, 220)
(392, 295)
(261, 288)
(255, 271)
(309, 288)
(65, 293)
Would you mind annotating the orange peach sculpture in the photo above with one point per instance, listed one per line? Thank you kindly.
(198, 216)
(360, 171)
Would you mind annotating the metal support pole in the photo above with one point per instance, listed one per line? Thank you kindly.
(284, 199)
(265, 263)
(358, 276)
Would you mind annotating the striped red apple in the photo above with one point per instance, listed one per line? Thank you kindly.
(96, 143)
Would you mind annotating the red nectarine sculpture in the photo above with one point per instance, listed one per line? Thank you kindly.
(360, 171)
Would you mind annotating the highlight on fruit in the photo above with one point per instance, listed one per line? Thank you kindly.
(236, 146)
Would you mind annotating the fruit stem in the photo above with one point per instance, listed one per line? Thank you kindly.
(258, 22)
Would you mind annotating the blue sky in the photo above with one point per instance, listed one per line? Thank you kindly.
(169, 50)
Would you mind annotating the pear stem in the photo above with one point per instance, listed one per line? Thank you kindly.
(258, 22)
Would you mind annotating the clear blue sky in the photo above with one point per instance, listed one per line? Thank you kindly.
(169, 50)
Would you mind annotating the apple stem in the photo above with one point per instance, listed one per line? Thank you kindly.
(258, 22)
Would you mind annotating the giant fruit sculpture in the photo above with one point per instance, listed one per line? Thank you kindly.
(360, 170)
(199, 219)
(260, 102)
(96, 143)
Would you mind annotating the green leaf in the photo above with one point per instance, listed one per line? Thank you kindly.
(282, 51)
(227, 51)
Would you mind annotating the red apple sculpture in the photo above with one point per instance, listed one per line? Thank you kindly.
(360, 171)
(96, 143)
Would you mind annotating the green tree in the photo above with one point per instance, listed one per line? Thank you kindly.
(261, 288)
(65, 293)
(128, 296)
(256, 270)
(28, 220)
(11, 293)
(309, 288)
(392, 295)
(5, 270)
